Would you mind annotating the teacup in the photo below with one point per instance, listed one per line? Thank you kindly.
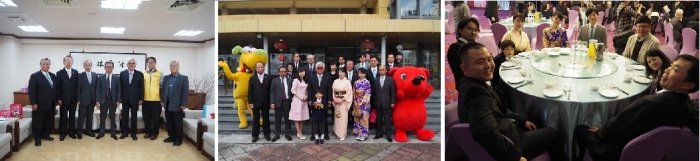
(595, 86)
(628, 77)
(549, 83)
(556, 49)
(523, 72)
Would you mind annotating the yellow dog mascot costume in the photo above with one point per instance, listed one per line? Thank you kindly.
(249, 57)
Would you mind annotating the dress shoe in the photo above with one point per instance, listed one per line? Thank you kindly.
(177, 143)
(100, 136)
(316, 141)
(63, 138)
(134, 138)
(389, 139)
(37, 143)
(72, 136)
(275, 138)
(48, 138)
(326, 137)
(289, 138)
(146, 136)
(91, 134)
(167, 140)
(377, 137)
(267, 138)
(123, 136)
(114, 137)
(154, 137)
(321, 141)
(80, 137)
(255, 140)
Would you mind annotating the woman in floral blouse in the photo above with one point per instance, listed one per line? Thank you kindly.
(555, 35)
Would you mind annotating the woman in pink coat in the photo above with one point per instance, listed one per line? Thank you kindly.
(342, 99)
(299, 111)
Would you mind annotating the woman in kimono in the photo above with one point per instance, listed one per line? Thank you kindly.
(363, 92)
(342, 99)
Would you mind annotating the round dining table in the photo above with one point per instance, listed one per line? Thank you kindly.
(530, 28)
(570, 100)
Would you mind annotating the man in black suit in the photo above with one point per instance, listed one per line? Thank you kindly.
(486, 110)
(297, 63)
(390, 62)
(309, 65)
(373, 69)
(132, 97)
(174, 100)
(323, 85)
(42, 97)
(678, 24)
(87, 91)
(67, 98)
(259, 101)
(668, 107)
(352, 74)
(280, 101)
(341, 62)
(109, 93)
(384, 96)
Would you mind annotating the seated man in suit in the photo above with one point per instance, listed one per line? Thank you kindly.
(174, 99)
(668, 107)
(493, 125)
(677, 23)
(593, 30)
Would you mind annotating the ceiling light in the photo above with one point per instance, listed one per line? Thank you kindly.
(7, 3)
(120, 4)
(33, 28)
(188, 33)
(112, 30)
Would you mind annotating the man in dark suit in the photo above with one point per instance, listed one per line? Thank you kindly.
(309, 65)
(668, 107)
(341, 62)
(280, 101)
(486, 110)
(361, 64)
(390, 62)
(87, 91)
(259, 101)
(297, 63)
(677, 23)
(373, 69)
(174, 100)
(384, 96)
(320, 81)
(109, 93)
(67, 98)
(352, 74)
(132, 97)
(673, 7)
(42, 96)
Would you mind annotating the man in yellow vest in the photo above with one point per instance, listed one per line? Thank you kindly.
(151, 99)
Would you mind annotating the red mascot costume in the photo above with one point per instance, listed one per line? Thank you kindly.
(412, 90)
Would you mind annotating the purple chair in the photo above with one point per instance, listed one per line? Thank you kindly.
(490, 44)
(498, 31)
(450, 25)
(540, 34)
(670, 38)
(651, 145)
(669, 52)
(694, 96)
(452, 149)
(474, 150)
(600, 19)
(685, 149)
(482, 32)
(573, 17)
(689, 42)
(482, 22)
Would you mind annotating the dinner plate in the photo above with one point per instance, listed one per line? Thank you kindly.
(638, 67)
(552, 53)
(643, 80)
(553, 92)
(508, 64)
(525, 53)
(608, 92)
(515, 79)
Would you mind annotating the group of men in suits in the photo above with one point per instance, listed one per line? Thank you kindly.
(272, 93)
(70, 89)
(487, 111)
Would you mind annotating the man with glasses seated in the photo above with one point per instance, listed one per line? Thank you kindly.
(638, 44)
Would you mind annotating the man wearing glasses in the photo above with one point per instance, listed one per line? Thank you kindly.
(151, 105)
(638, 44)
(108, 98)
(132, 96)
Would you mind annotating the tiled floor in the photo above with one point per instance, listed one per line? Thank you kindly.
(326, 152)
(106, 148)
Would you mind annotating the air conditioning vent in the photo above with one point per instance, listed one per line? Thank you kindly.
(59, 3)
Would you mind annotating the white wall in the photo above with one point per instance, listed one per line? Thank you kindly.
(193, 57)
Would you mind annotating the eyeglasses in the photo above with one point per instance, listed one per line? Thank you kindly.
(131, 63)
(643, 26)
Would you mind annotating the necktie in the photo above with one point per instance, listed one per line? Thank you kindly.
(49, 79)
(374, 73)
(296, 65)
(260, 77)
(131, 74)
(284, 90)
(89, 78)
(109, 94)
(391, 66)
(653, 86)
(350, 75)
(319, 80)
(170, 90)
(381, 82)
(311, 67)
(590, 36)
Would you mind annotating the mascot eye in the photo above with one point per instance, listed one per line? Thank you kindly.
(422, 77)
(403, 76)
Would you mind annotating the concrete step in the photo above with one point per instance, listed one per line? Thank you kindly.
(233, 129)
(429, 106)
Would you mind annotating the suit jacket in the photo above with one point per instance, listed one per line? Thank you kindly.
(354, 77)
(386, 95)
(307, 70)
(650, 43)
(325, 87)
(132, 92)
(258, 93)
(67, 87)
(40, 91)
(677, 29)
(357, 66)
(319, 114)
(662, 109)
(276, 91)
(296, 69)
(370, 75)
(487, 112)
(599, 34)
(87, 90)
(453, 58)
(388, 67)
(115, 89)
(175, 95)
